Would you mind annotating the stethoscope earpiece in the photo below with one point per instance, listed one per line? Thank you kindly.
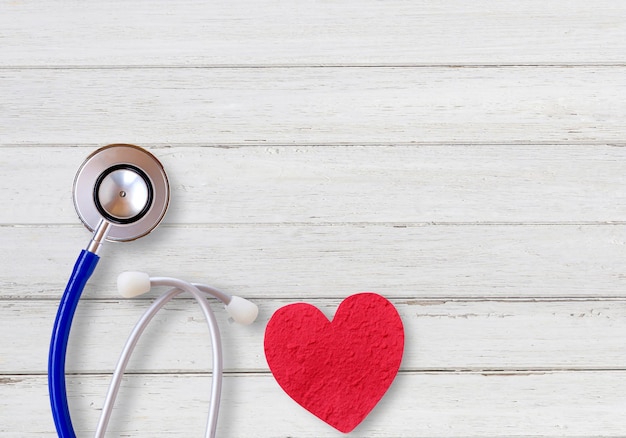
(131, 284)
(124, 185)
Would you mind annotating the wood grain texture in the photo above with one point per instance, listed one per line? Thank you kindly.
(313, 105)
(561, 404)
(497, 261)
(465, 159)
(441, 335)
(269, 32)
(339, 184)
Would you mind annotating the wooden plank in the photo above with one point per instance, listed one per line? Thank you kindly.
(334, 261)
(313, 105)
(440, 335)
(356, 184)
(563, 404)
(138, 33)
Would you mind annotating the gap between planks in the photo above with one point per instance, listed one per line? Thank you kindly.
(318, 66)
(12, 378)
(90, 146)
(295, 224)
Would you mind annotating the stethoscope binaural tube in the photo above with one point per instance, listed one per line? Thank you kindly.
(121, 193)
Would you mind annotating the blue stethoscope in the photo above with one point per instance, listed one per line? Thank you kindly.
(121, 193)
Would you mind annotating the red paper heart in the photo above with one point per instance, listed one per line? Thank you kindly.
(336, 370)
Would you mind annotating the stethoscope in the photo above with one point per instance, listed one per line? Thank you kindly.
(121, 193)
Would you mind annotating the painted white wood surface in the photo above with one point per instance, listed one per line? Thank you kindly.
(465, 159)
(444, 335)
(433, 404)
(269, 32)
(281, 261)
(452, 184)
(314, 105)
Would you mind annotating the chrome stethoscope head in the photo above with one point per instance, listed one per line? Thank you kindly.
(121, 193)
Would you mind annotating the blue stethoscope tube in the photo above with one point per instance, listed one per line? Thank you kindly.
(83, 269)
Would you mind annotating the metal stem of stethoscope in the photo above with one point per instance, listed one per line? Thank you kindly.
(98, 236)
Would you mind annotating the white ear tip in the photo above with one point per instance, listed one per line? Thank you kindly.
(242, 311)
(131, 284)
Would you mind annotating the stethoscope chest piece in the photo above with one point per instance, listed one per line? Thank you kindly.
(125, 185)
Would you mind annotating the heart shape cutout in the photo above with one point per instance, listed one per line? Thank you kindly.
(336, 370)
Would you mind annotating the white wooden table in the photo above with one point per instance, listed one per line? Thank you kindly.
(463, 158)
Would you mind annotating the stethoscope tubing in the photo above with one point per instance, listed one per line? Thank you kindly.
(180, 286)
(83, 268)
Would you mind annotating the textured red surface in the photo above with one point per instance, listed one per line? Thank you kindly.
(337, 370)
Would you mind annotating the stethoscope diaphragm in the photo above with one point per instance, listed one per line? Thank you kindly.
(124, 185)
